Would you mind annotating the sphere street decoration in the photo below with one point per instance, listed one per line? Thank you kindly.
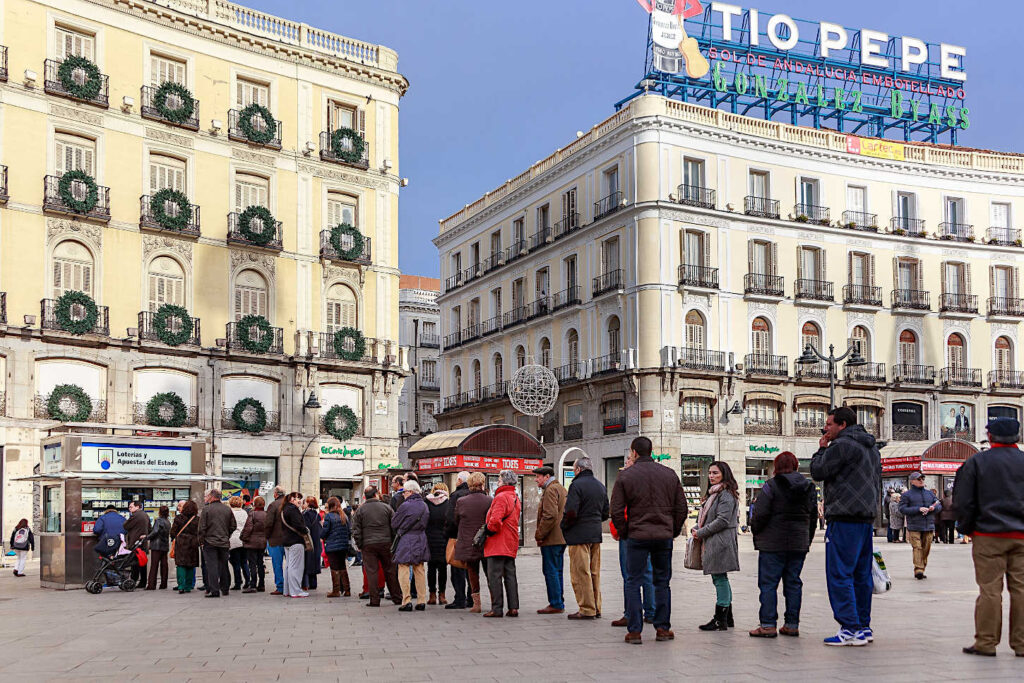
(76, 312)
(166, 410)
(186, 103)
(260, 135)
(249, 415)
(350, 154)
(341, 423)
(69, 403)
(80, 77)
(166, 318)
(533, 390)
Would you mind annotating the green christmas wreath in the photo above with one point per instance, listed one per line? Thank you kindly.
(351, 154)
(74, 394)
(62, 311)
(358, 343)
(188, 103)
(158, 209)
(250, 342)
(348, 416)
(339, 231)
(259, 421)
(251, 133)
(178, 411)
(86, 90)
(245, 225)
(161, 325)
(92, 192)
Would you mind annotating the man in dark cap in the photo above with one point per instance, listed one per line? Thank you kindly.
(920, 507)
(550, 539)
(988, 490)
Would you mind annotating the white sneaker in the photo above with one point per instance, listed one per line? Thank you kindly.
(299, 595)
(845, 637)
(867, 633)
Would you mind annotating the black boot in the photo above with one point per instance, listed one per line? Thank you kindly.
(728, 617)
(718, 622)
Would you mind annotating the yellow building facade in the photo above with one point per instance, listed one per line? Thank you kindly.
(199, 155)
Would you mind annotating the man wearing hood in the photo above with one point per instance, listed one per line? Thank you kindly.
(850, 466)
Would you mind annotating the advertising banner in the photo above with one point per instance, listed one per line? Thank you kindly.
(475, 462)
(136, 459)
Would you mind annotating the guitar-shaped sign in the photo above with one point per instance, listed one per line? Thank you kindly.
(696, 64)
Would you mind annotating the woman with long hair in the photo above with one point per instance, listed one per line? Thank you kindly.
(716, 528)
(22, 540)
(185, 536)
(311, 515)
(336, 539)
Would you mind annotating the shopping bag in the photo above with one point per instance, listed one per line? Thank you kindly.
(694, 549)
(879, 575)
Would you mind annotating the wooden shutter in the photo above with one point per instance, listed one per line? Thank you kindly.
(248, 92)
(822, 268)
(73, 43)
(166, 172)
(849, 268)
(1014, 281)
(251, 191)
(871, 264)
(750, 256)
(164, 69)
(919, 269)
(74, 153)
(945, 281)
(799, 262)
(967, 278)
(773, 256)
(895, 272)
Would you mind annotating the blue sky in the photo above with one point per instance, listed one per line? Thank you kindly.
(495, 86)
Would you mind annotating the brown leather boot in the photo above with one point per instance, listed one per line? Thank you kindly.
(441, 600)
(335, 584)
(475, 609)
(432, 600)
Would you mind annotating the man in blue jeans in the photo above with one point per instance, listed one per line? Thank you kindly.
(550, 539)
(648, 509)
(275, 539)
(849, 464)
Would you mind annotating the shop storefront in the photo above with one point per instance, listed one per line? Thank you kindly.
(694, 476)
(939, 463)
(341, 473)
(248, 475)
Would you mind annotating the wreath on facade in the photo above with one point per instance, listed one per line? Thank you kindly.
(69, 403)
(263, 215)
(358, 343)
(358, 242)
(161, 324)
(259, 416)
(172, 404)
(351, 154)
(184, 111)
(249, 341)
(251, 133)
(347, 416)
(90, 87)
(67, 196)
(158, 209)
(67, 322)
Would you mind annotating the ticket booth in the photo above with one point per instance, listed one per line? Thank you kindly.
(82, 474)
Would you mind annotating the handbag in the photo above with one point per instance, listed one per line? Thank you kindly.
(307, 540)
(481, 536)
(694, 551)
(170, 554)
(395, 541)
(449, 555)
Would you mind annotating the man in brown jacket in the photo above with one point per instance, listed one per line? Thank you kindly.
(549, 537)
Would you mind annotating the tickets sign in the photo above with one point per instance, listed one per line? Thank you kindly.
(477, 462)
(137, 459)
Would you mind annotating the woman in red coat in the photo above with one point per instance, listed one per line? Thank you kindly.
(502, 545)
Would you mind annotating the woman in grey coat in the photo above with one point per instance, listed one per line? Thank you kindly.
(897, 523)
(716, 527)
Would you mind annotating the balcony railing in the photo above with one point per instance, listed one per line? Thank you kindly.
(761, 207)
(811, 213)
(258, 124)
(567, 225)
(48, 315)
(1003, 236)
(52, 200)
(961, 377)
(698, 276)
(702, 359)
(606, 364)
(862, 295)
(472, 273)
(430, 385)
(430, 341)
(327, 152)
(766, 364)
(608, 282)
(614, 424)
(695, 195)
(456, 401)
(765, 285)
(228, 422)
(858, 220)
(471, 332)
(327, 250)
(493, 392)
(958, 303)
(1010, 306)
(515, 250)
(236, 236)
(699, 424)
(565, 298)
(901, 225)
(453, 282)
(139, 415)
(817, 370)
(377, 351)
(147, 331)
(52, 84)
(514, 317)
(1007, 379)
(818, 290)
(537, 308)
(149, 111)
(607, 205)
(541, 237)
(491, 326)
(41, 412)
(810, 426)
(905, 373)
(762, 426)
(572, 432)
(959, 232)
(235, 341)
(569, 373)
(493, 261)
(916, 299)
(452, 340)
(3, 308)
(872, 373)
(908, 433)
(4, 194)
(147, 221)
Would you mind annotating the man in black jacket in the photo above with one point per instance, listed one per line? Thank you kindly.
(988, 492)
(586, 507)
(137, 527)
(459, 576)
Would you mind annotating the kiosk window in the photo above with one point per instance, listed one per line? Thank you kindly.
(53, 509)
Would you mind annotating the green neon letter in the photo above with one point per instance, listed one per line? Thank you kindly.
(718, 79)
(741, 83)
(934, 117)
(840, 98)
(896, 100)
(857, 105)
(821, 101)
(760, 86)
(801, 94)
(916, 109)
(952, 116)
(965, 122)
(783, 94)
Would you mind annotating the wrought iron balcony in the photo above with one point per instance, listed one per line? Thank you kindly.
(614, 424)
(958, 232)
(431, 384)
(235, 340)
(456, 400)
(491, 326)
(761, 207)
(3, 63)
(139, 415)
(493, 392)
(870, 373)
(376, 351)
(514, 317)
(858, 220)
(52, 200)
(568, 224)
(698, 276)
(569, 373)
(453, 282)
(147, 331)
(228, 422)
(958, 303)
(701, 425)
(905, 373)
(148, 222)
(608, 282)
(908, 433)
(565, 298)
(766, 364)
(811, 213)
(572, 432)
(430, 341)
(961, 377)
(52, 84)
(818, 290)
(607, 205)
(762, 426)
(48, 316)
(3, 308)
(4, 194)
(546, 433)
(541, 237)
(1003, 236)
(1006, 379)
(607, 364)
(537, 308)
(493, 261)
(810, 426)
(471, 332)
(695, 195)
(149, 111)
(515, 250)
(452, 340)
(41, 411)
(862, 295)
(236, 236)
(915, 299)
(327, 250)
(235, 131)
(901, 225)
(702, 360)
(765, 285)
(327, 152)
(472, 273)
(817, 370)
(1008, 306)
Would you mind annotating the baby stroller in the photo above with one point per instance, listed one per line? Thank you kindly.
(116, 562)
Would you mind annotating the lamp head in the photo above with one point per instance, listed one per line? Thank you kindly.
(311, 402)
(736, 409)
(856, 360)
(807, 357)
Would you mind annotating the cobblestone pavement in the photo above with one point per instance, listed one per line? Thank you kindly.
(920, 627)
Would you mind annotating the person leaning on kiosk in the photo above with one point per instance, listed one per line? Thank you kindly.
(550, 539)
(988, 492)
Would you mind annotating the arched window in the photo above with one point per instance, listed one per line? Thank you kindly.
(908, 348)
(457, 379)
(760, 337)
(250, 294)
(166, 283)
(613, 335)
(72, 268)
(1004, 356)
(520, 357)
(860, 340)
(545, 352)
(955, 351)
(342, 309)
(695, 336)
(499, 369)
(810, 334)
(478, 379)
(572, 341)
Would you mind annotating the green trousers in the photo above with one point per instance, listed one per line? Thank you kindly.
(723, 591)
(186, 578)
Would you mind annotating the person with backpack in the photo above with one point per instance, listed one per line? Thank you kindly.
(22, 540)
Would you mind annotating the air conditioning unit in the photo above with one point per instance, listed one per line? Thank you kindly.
(739, 367)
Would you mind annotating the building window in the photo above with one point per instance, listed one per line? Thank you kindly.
(72, 268)
(457, 380)
(761, 257)
(856, 200)
(499, 369)
(474, 312)
(695, 249)
(428, 371)
(762, 417)
(759, 185)
(520, 357)
(810, 335)
(496, 301)
(342, 115)
(166, 283)
(74, 153)
(810, 419)
(166, 69)
(574, 413)
(573, 346)
(542, 283)
(342, 308)
(1004, 356)
(250, 294)
(610, 255)
(613, 335)
(1004, 282)
(543, 217)
(908, 348)
(999, 221)
(867, 416)
(693, 174)
(570, 272)
(429, 330)
(695, 333)
(955, 280)
(861, 269)
(495, 245)
(811, 264)
(545, 352)
(613, 416)
(909, 274)
(695, 415)
(72, 43)
(518, 232)
(809, 193)
(251, 92)
(906, 209)
(342, 208)
(860, 341)
(955, 352)
(166, 172)
(569, 203)
(761, 338)
(251, 190)
(474, 257)
(518, 293)
(955, 210)
(478, 380)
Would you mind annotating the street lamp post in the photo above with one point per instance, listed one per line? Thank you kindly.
(812, 355)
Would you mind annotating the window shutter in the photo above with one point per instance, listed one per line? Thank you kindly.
(773, 266)
(920, 275)
(871, 275)
(991, 281)
(705, 240)
(849, 267)
(58, 286)
(238, 303)
(822, 269)
(750, 256)
(799, 262)
(361, 115)
(945, 284)
(967, 278)
(895, 272)
(86, 271)
(1014, 282)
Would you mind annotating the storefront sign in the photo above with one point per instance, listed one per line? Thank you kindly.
(755, 482)
(647, 414)
(660, 457)
(476, 462)
(139, 459)
(905, 464)
(936, 466)
(343, 452)
(763, 449)
(389, 466)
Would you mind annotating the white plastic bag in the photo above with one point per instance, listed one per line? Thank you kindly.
(879, 575)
